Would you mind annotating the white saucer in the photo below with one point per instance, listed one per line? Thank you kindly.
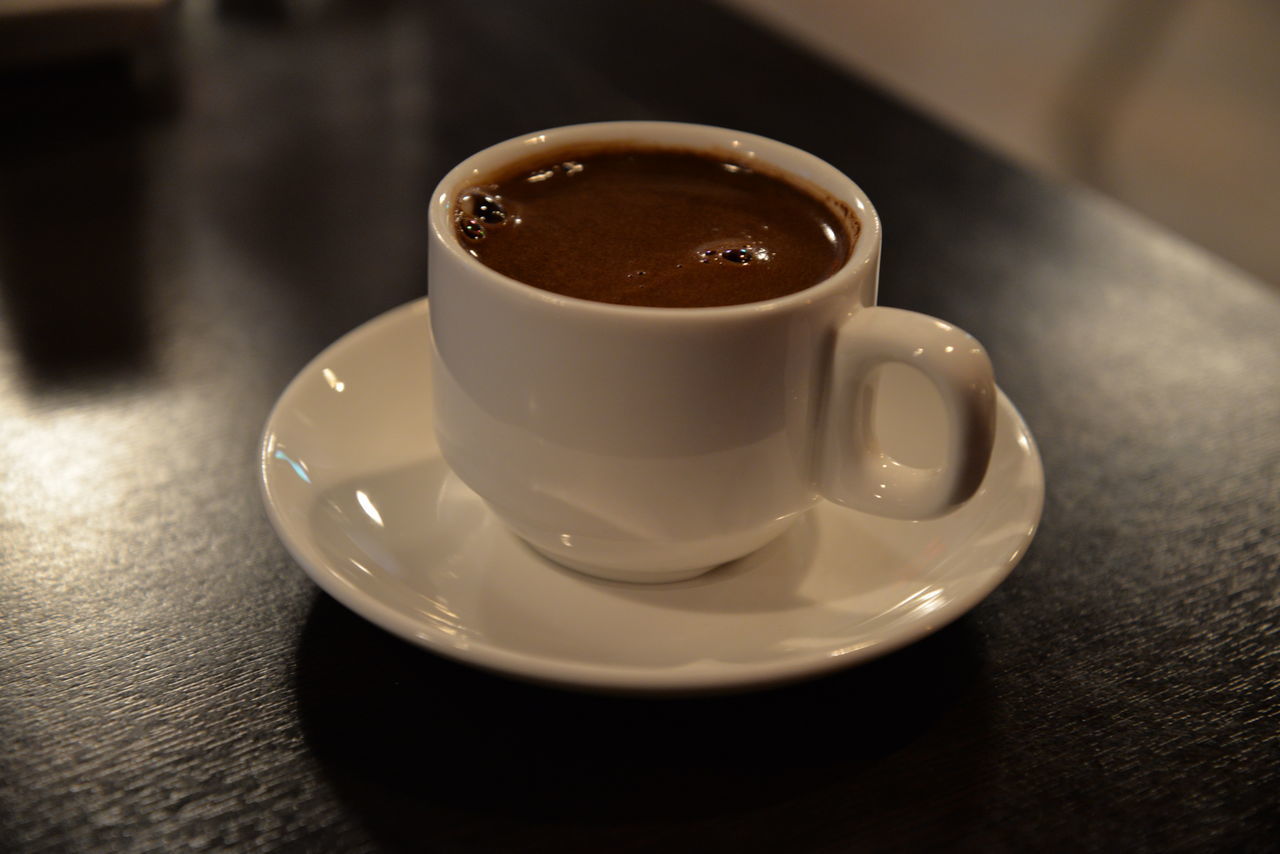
(356, 488)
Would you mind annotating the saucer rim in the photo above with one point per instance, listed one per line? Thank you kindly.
(719, 677)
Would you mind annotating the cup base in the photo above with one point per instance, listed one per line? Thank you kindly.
(647, 564)
(629, 576)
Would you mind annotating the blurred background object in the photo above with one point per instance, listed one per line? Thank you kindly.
(42, 33)
(1170, 106)
(79, 82)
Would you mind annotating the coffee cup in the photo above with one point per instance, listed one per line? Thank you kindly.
(651, 443)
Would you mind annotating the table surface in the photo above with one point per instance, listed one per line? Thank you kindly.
(170, 679)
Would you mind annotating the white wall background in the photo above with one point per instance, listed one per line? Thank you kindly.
(1171, 106)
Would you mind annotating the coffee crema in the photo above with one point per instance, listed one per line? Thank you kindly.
(653, 227)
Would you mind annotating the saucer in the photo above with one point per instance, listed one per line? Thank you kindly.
(355, 486)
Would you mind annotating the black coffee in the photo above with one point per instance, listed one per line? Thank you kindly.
(653, 227)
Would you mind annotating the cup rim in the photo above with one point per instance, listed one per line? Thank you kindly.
(793, 162)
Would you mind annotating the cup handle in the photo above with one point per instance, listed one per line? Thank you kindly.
(853, 470)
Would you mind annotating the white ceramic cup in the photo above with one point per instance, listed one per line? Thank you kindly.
(653, 444)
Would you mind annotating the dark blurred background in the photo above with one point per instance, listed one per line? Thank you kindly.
(1170, 106)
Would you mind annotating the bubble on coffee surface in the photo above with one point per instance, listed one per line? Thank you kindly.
(479, 210)
(739, 253)
(487, 209)
(568, 167)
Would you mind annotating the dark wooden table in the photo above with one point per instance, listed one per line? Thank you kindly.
(170, 680)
